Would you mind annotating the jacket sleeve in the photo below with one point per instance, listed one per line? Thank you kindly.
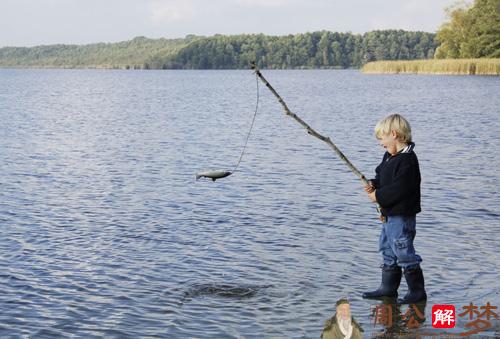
(403, 185)
(376, 181)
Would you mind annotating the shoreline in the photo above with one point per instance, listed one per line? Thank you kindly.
(435, 66)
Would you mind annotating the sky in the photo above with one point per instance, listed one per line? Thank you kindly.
(43, 22)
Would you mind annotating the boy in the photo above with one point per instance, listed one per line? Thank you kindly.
(396, 188)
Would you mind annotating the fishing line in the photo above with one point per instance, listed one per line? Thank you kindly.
(214, 175)
(251, 125)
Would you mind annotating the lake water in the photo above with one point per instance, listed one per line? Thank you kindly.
(104, 231)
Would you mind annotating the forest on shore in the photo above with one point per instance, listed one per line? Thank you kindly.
(470, 31)
(309, 50)
(469, 43)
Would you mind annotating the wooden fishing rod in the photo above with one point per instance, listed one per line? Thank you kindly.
(310, 130)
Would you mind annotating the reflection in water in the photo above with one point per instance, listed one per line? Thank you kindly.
(396, 319)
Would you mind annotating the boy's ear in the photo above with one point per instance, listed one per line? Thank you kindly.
(394, 134)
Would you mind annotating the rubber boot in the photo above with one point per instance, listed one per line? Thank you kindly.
(416, 289)
(391, 278)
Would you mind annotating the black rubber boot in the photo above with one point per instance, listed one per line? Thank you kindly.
(391, 277)
(416, 287)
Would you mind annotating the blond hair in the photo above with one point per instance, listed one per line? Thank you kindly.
(394, 122)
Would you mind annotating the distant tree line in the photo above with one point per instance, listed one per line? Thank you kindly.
(471, 31)
(310, 50)
(133, 54)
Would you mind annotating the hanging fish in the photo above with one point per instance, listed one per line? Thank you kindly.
(214, 175)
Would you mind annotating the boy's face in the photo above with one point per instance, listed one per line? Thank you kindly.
(389, 142)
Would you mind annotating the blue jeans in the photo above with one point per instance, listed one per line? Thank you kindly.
(396, 242)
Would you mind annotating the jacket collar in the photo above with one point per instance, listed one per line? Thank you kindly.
(407, 149)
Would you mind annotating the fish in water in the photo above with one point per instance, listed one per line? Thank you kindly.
(223, 290)
(214, 175)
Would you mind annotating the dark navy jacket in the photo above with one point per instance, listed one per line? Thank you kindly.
(397, 183)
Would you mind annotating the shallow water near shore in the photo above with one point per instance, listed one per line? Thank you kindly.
(106, 233)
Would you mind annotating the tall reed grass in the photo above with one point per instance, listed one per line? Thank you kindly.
(436, 66)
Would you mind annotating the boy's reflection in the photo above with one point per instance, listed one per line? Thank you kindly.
(397, 319)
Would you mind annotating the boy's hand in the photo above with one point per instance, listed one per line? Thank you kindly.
(369, 188)
(372, 196)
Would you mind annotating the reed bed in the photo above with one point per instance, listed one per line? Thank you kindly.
(436, 66)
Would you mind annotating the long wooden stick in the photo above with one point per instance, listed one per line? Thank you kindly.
(310, 130)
